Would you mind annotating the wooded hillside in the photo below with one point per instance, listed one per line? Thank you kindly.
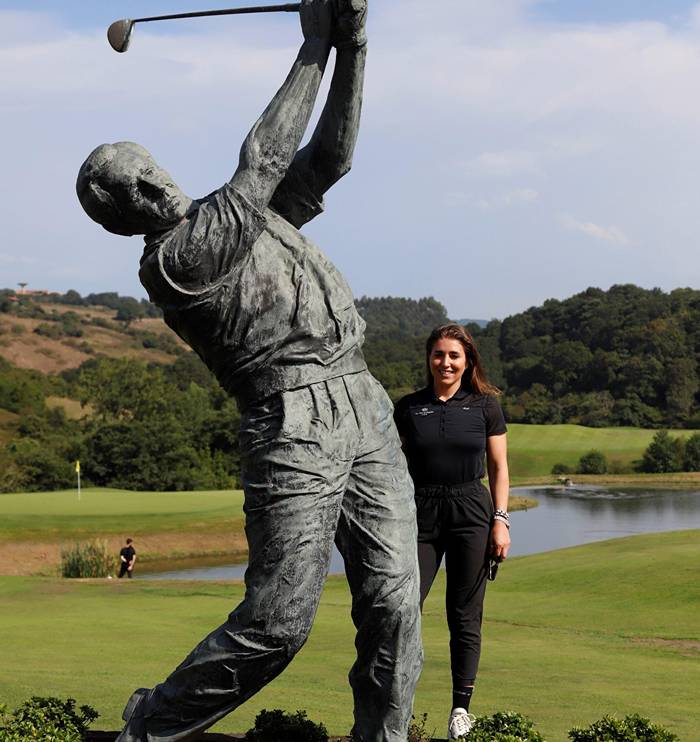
(103, 380)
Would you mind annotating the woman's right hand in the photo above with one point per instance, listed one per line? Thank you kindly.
(500, 540)
(317, 19)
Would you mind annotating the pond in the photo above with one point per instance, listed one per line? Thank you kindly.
(565, 516)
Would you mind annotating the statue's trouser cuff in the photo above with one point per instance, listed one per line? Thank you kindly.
(322, 462)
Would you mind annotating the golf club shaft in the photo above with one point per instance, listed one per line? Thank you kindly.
(290, 8)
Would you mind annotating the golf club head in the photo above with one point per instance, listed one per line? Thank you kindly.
(119, 35)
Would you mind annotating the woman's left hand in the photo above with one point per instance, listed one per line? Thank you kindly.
(500, 540)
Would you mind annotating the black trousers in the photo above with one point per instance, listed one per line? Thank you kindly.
(124, 570)
(455, 522)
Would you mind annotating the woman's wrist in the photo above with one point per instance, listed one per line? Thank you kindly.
(501, 516)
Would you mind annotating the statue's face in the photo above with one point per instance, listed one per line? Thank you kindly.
(146, 194)
(122, 188)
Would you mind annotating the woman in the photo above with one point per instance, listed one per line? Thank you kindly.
(446, 429)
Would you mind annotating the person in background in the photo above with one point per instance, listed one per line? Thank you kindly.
(127, 559)
(453, 434)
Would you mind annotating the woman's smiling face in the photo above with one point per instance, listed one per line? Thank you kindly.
(448, 362)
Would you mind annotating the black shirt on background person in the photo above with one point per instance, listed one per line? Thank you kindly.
(127, 557)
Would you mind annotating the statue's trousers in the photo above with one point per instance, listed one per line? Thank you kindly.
(321, 463)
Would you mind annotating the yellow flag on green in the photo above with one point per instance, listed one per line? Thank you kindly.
(77, 467)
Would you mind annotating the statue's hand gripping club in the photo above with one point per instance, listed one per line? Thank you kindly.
(351, 18)
(341, 22)
(317, 19)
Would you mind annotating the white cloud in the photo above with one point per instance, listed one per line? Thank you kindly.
(502, 164)
(610, 234)
(498, 200)
(468, 104)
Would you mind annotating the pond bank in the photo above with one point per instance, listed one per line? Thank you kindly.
(566, 516)
(666, 481)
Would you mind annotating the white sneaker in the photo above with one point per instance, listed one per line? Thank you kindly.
(459, 724)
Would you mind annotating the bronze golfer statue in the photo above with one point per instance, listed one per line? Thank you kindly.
(275, 321)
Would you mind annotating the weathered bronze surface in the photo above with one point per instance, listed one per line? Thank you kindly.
(276, 322)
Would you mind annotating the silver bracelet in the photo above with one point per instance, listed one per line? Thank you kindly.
(502, 516)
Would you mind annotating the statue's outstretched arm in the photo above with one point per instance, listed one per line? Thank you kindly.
(328, 156)
(274, 139)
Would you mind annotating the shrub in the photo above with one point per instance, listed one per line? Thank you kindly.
(72, 328)
(632, 728)
(82, 346)
(12, 477)
(507, 726)
(279, 726)
(43, 463)
(417, 731)
(91, 559)
(691, 459)
(664, 454)
(47, 719)
(158, 341)
(593, 462)
(558, 469)
(101, 322)
(620, 467)
(49, 330)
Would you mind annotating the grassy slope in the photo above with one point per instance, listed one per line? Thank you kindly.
(534, 449)
(60, 515)
(612, 627)
(27, 349)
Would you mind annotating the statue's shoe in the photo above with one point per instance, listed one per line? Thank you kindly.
(135, 729)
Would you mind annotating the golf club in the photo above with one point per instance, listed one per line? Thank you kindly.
(119, 33)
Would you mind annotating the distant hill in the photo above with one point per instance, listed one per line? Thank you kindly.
(49, 334)
(103, 380)
(481, 322)
(626, 356)
(389, 315)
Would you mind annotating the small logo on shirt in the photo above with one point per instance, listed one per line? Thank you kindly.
(466, 408)
(425, 411)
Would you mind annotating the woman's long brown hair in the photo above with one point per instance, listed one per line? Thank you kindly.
(474, 379)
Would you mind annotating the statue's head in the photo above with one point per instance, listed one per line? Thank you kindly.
(122, 188)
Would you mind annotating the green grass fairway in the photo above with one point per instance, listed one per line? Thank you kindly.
(612, 627)
(534, 449)
(60, 515)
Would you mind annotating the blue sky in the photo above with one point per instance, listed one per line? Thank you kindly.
(511, 150)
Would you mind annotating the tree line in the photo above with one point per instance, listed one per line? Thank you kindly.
(148, 427)
(627, 356)
(623, 357)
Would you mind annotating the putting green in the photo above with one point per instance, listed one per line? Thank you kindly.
(99, 511)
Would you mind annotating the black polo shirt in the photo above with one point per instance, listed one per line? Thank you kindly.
(445, 442)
